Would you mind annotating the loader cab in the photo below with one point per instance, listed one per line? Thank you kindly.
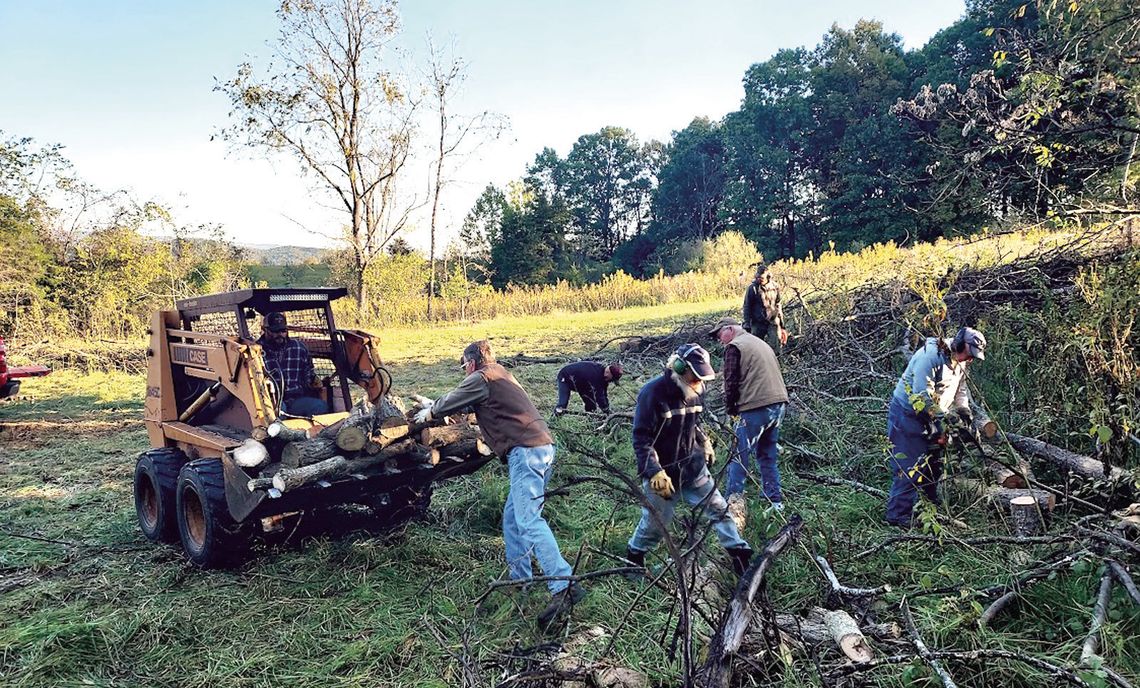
(211, 342)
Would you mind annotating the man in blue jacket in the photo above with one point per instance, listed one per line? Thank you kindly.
(931, 393)
(673, 455)
(589, 380)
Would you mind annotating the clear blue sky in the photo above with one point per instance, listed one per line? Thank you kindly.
(127, 86)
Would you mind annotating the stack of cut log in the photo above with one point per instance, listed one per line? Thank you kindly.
(374, 438)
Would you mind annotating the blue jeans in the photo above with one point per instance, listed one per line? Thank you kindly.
(756, 435)
(702, 494)
(305, 406)
(912, 467)
(525, 531)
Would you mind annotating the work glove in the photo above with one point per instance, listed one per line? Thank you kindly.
(662, 484)
(710, 453)
(424, 414)
(783, 334)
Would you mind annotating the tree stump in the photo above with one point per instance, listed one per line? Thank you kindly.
(1026, 515)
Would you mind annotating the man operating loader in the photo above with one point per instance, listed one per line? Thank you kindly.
(290, 366)
(519, 436)
(930, 396)
(673, 455)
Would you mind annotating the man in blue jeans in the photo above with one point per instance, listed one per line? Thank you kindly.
(753, 390)
(673, 455)
(931, 392)
(514, 430)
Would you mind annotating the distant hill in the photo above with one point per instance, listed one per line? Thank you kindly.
(263, 254)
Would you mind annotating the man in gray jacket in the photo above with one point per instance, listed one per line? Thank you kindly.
(514, 430)
(931, 391)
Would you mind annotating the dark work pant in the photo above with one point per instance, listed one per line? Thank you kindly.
(913, 467)
(564, 389)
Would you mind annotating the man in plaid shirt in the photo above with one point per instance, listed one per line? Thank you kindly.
(290, 367)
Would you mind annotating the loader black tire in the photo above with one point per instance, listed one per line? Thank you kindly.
(210, 536)
(156, 479)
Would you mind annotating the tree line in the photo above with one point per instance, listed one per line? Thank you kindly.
(1019, 111)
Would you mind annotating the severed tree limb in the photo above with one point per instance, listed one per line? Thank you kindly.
(923, 650)
(1110, 538)
(996, 608)
(830, 480)
(1084, 466)
(1100, 611)
(970, 542)
(717, 670)
(841, 589)
(1124, 579)
(1060, 672)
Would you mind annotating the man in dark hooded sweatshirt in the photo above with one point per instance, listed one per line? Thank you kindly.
(673, 455)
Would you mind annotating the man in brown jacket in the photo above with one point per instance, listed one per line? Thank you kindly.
(514, 430)
(753, 390)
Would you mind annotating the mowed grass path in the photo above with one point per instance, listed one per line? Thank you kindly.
(85, 600)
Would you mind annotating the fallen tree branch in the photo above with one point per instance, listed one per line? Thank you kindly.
(969, 542)
(851, 669)
(1125, 580)
(841, 589)
(717, 670)
(1081, 465)
(853, 484)
(923, 650)
(1100, 611)
(996, 608)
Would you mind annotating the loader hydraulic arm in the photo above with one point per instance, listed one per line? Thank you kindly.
(364, 365)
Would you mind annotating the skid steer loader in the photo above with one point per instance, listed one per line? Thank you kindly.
(210, 396)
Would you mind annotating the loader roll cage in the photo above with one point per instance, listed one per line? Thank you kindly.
(238, 314)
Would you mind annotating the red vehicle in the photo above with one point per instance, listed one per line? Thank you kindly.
(10, 377)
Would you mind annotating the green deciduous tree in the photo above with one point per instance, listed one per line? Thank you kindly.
(330, 100)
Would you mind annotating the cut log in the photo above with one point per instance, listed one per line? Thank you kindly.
(447, 434)
(846, 634)
(250, 454)
(466, 449)
(813, 628)
(289, 479)
(1083, 466)
(1026, 515)
(287, 434)
(256, 484)
(1005, 476)
(982, 425)
(1001, 497)
(297, 454)
(354, 432)
(388, 411)
(403, 453)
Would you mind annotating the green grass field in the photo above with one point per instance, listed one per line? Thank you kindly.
(86, 600)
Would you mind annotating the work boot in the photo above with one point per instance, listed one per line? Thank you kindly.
(560, 603)
(738, 510)
(740, 557)
(635, 558)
